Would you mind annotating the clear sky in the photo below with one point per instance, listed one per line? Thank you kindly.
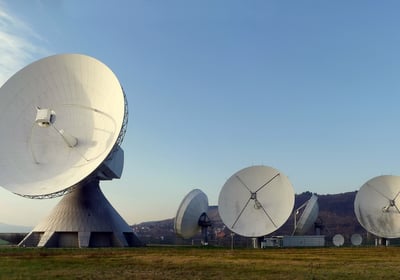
(311, 88)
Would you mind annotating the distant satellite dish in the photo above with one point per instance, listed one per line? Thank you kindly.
(192, 215)
(338, 240)
(377, 206)
(62, 120)
(356, 239)
(308, 217)
(256, 201)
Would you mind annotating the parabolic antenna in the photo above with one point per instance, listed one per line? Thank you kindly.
(192, 215)
(356, 239)
(256, 201)
(61, 117)
(338, 240)
(62, 120)
(377, 206)
(308, 217)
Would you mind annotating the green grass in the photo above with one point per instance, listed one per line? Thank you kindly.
(200, 263)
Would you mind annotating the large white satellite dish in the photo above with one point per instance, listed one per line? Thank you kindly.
(61, 117)
(308, 217)
(62, 120)
(377, 206)
(192, 215)
(256, 201)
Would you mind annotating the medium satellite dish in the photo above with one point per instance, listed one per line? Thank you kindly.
(377, 206)
(338, 240)
(192, 215)
(356, 239)
(256, 201)
(63, 119)
(308, 217)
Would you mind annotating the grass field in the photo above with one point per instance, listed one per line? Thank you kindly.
(200, 263)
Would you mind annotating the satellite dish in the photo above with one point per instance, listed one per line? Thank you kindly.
(192, 215)
(256, 201)
(338, 240)
(308, 217)
(356, 239)
(63, 119)
(377, 206)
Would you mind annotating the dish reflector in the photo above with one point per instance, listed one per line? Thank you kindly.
(356, 239)
(58, 123)
(338, 240)
(190, 211)
(256, 201)
(308, 217)
(377, 206)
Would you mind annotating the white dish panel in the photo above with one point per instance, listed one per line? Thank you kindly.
(256, 201)
(88, 104)
(338, 240)
(356, 239)
(377, 206)
(186, 222)
(308, 217)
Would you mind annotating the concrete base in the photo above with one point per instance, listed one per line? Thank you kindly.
(83, 218)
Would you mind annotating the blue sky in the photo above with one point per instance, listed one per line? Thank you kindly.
(308, 87)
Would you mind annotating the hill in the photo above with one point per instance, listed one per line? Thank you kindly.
(6, 228)
(336, 215)
(12, 233)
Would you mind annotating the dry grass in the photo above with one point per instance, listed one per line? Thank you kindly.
(200, 263)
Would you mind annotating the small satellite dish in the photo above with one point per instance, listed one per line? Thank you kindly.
(192, 215)
(338, 240)
(62, 120)
(256, 201)
(377, 206)
(308, 217)
(356, 239)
